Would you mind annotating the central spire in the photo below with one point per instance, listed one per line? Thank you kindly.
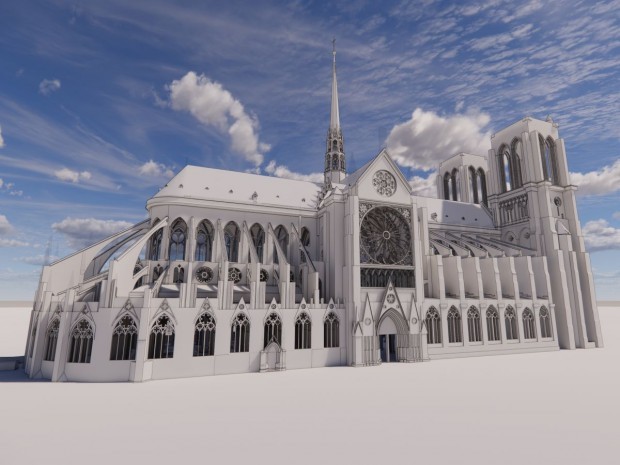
(335, 115)
(334, 155)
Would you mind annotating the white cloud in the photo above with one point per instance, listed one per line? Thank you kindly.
(12, 243)
(427, 138)
(424, 187)
(214, 106)
(1, 138)
(282, 171)
(155, 170)
(47, 86)
(38, 259)
(68, 175)
(600, 182)
(81, 232)
(599, 235)
(5, 226)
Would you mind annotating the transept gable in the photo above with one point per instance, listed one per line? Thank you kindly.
(391, 301)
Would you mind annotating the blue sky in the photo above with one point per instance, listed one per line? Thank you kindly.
(100, 102)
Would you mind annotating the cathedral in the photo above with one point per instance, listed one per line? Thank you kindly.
(235, 272)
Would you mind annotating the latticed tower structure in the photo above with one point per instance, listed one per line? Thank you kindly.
(335, 163)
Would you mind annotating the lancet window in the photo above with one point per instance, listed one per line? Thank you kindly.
(433, 326)
(161, 340)
(454, 326)
(240, 334)
(505, 168)
(516, 153)
(155, 245)
(178, 239)
(493, 329)
(51, 340)
(474, 327)
(258, 239)
(473, 184)
(231, 240)
(455, 184)
(482, 186)
(204, 242)
(124, 339)
(510, 318)
(178, 274)
(204, 335)
(273, 329)
(545, 323)
(81, 347)
(303, 331)
(529, 324)
(549, 159)
(305, 241)
(446, 186)
(331, 331)
(282, 238)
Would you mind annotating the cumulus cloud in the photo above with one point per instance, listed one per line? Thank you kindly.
(1, 138)
(81, 232)
(599, 235)
(600, 182)
(214, 106)
(155, 170)
(47, 86)
(424, 187)
(427, 138)
(282, 171)
(5, 226)
(12, 243)
(68, 175)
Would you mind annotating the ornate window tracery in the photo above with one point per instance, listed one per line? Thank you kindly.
(51, 340)
(493, 329)
(204, 274)
(282, 238)
(529, 324)
(258, 239)
(384, 183)
(303, 331)
(82, 337)
(385, 238)
(232, 236)
(331, 331)
(305, 242)
(433, 326)
(455, 333)
(204, 336)
(204, 242)
(161, 340)
(178, 237)
(474, 327)
(124, 339)
(512, 331)
(240, 334)
(548, 159)
(234, 275)
(273, 329)
(545, 323)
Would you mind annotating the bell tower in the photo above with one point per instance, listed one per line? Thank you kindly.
(335, 163)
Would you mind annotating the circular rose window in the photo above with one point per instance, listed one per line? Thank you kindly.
(204, 274)
(384, 183)
(385, 238)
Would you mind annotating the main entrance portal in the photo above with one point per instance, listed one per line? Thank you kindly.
(387, 344)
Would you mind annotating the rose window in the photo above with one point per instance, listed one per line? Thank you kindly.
(204, 274)
(384, 183)
(385, 238)
(234, 275)
(264, 275)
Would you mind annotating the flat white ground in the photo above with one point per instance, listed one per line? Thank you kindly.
(548, 408)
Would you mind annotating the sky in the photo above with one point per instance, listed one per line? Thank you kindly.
(102, 102)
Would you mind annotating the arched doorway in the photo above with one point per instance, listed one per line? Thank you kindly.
(392, 330)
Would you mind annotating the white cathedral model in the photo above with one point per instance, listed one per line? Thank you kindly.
(236, 272)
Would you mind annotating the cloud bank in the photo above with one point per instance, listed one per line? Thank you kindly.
(599, 182)
(215, 107)
(82, 232)
(282, 171)
(427, 138)
(68, 175)
(599, 235)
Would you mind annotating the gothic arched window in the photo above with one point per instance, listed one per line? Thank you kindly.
(454, 326)
(331, 331)
(258, 239)
(473, 183)
(178, 238)
(493, 329)
(510, 318)
(474, 328)
(305, 241)
(204, 242)
(81, 347)
(178, 274)
(240, 334)
(282, 238)
(433, 326)
(303, 331)
(204, 335)
(516, 152)
(529, 324)
(545, 323)
(505, 168)
(231, 240)
(155, 244)
(273, 329)
(51, 340)
(161, 340)
(456, 184)
(124, 339)
(482, 186)
(446, 186)
(548, 159)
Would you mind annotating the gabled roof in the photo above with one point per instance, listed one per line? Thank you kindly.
(195, 182)
(353, 178)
